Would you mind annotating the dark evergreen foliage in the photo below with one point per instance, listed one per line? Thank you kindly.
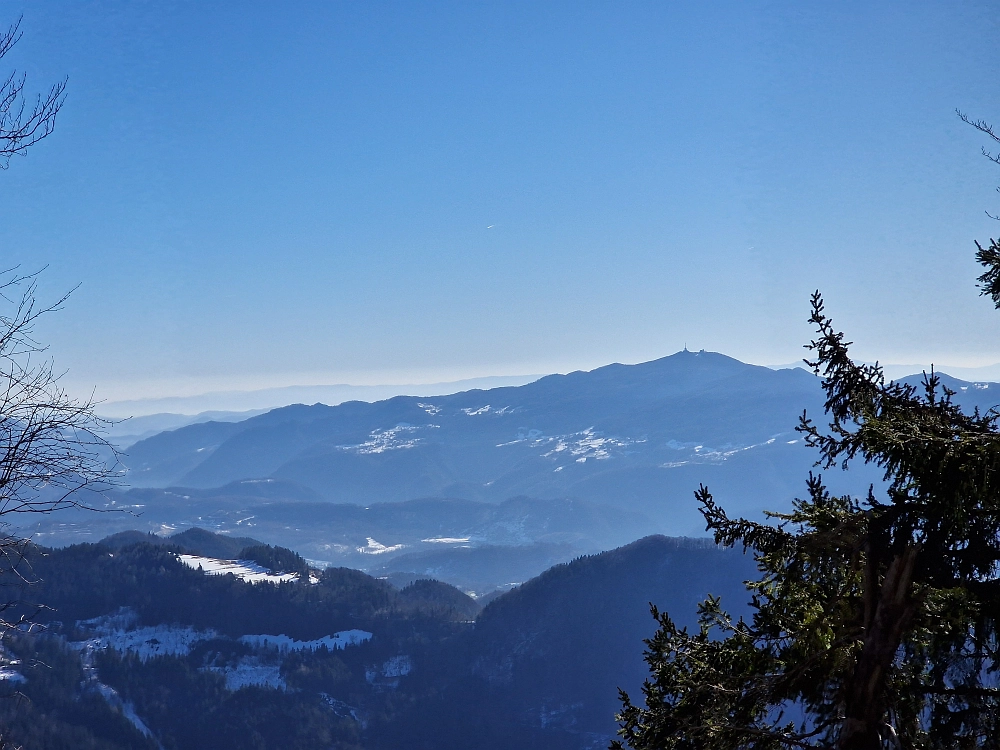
(54, 709)
(437, 598)
(184, 701)
(193, 541)
(532, 672)
(535, 670)
(189, 708)
(874, 620)
(88, 580)
(275, 559)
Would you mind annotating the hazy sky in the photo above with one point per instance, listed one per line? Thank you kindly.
(261, 194)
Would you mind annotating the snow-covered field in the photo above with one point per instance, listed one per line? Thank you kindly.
(243, 569)
(8, 674)
(121, 633)
(147, 642)
(388, 675)
(377, 548)
(252, 670)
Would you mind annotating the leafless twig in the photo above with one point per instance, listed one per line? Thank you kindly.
(21, 126)
(51, 444)
(983, 127)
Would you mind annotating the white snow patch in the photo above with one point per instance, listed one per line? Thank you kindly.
(589, 443)
(10, 675)
(397, 438)
(245, 570)
(340, 708)
(388, 675)
(490, 410)
(128, 710)
(145, 642)
(397, 666)
(446, 539)
(431, 409)
(702, 454)
(251, 670)
(377, 548)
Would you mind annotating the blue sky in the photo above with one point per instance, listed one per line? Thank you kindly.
(266, 194)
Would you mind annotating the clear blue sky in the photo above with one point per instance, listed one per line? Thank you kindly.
(258, 194)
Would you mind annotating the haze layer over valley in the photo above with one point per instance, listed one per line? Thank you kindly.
(485, 488)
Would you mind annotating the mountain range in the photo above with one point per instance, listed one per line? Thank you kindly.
(142, 650)
(632, 436)
(485, 488)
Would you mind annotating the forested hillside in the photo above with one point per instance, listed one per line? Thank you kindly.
(141, 650)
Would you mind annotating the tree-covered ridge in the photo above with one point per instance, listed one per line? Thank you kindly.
(874, 620)
(427, 678)
(321, 696)
(275, 559)
(89, 580)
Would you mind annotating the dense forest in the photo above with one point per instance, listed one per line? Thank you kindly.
(135, 649)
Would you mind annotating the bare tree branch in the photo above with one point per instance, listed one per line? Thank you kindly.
(51, 444)
(20, 126)
(983, 127)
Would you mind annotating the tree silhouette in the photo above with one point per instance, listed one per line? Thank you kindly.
(22, 126)
(51, 446)
(874, 621)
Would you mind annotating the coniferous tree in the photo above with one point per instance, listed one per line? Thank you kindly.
(874, 621)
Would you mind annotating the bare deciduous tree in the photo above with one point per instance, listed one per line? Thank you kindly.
(984, 127)
(51, 446)
(20, 126)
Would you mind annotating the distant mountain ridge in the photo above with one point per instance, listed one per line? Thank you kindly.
(616, 435)
(478, 546)
(264, 399)
(543, 664)
(969, 394)
(486, 488)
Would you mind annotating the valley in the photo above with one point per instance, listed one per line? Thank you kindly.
(469, 570)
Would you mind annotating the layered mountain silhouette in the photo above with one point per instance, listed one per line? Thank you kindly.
(638, 436)
(487, 488)
(542, 665)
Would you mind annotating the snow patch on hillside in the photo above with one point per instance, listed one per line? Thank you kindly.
(251, 671)
(400, 437)
(120, 633)
(389, 673)
(497, 412)
(377, 548)
(245, 570)
(700, 454)
(589, 444)
(127, 709)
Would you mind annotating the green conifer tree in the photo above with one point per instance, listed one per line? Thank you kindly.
(874, 621)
